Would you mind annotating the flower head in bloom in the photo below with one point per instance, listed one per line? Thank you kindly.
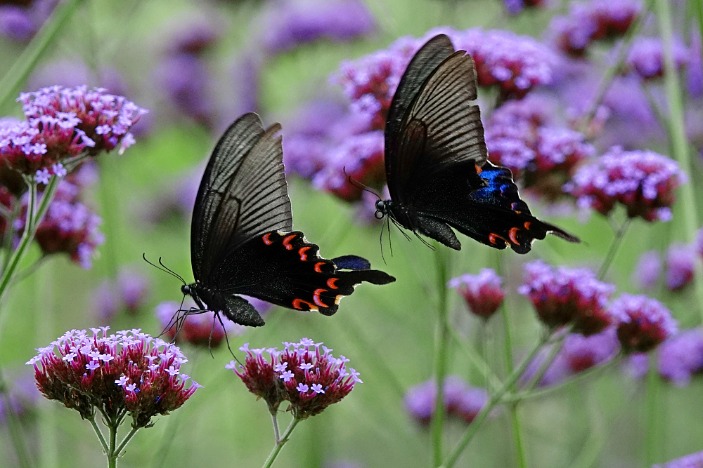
(681, 356)
(305, 374)
(591, 21)
(125, 372)
(186, 80)
(648, 269)
(521, 137)
(643, 323)
(642, 181)
(646, 57)
(21, 19)
(564, 296)
(69, 226)
(290, 23)
(460, 399)
(680, 266)
(202, 329)
(513, 7)
(583, 352)
(483, 293)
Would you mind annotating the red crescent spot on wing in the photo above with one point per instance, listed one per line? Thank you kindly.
(318, 267)
(301, 304)
(316, 297)
(332, 283)
(528, 225)
(267, 238)
(512, 234)
(303, 255)
(287, 240)
(495, 239)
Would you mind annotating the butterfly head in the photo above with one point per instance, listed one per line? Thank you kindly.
(383, 207)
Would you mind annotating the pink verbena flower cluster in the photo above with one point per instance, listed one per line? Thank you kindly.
(483, 293)
(305, 374)
(127, 372)
(461, 400)
(643, 182)
(64, 123)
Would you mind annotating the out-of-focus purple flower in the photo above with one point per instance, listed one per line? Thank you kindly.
(359, 158)
(643, 323)
(583, 352)
(195, 36)
(563, 296)
(128, 371)
(648, 270)
(290, 23)
(694, 71)
(246, 80)
(520, 136)
(483, 293)
(698, 243)
(680, 266)
(20, 397)
(693, 460)
(636, 365)
(642, 181)
(460, 400)
(646, 57)
(305, 374)
(127, 293)
(514, 7)
(186, 81)
(592, 21)
(681, 356)
(69, 226)
(22, 20)
(200, 329)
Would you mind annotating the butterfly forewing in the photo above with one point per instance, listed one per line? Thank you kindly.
(243, 193)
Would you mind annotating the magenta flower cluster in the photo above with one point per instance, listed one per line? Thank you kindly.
(568, 296)
(483, 293)
(592, 21)
(127, 372)
(646, 57)
(643, 323)
(461, 400)
(65, 123)
(305, 374)
(644, 182)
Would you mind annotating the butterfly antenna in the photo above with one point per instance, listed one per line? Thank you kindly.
(224, 330)
(164, 268)
(359, 185)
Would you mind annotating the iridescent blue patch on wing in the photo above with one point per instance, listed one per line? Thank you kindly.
(500, 190)
(351, 262)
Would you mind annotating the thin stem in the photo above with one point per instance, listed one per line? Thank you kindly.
(32, 221)
(612, 251)
(280, 443)
(546, 364)
(492, 380)
(441, 352)
(125, 441)
(493, 401)
(99, 433)
(274, 423)
(12, 82)
(653, 431)
(111, 452)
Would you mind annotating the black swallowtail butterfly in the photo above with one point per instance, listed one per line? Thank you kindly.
(242, 240)
(437, 167)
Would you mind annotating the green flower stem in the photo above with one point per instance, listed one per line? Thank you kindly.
(14, 79)
(33, 220)
(493, 401)
(111, 452)
(614, 246)
(513, 409)
(477, 361)
(441, 352)
(99, 433)
(653, 427)
(280, 443)
(125, 441)
(580, 377)
(544, 366)
(274, 423)
(680, 148)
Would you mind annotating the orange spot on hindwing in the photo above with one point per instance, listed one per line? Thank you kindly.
(303, 253)
(318, 267)
(301, 304)
(332, 283)
(317, 299)
(267, 238)
(287, 241)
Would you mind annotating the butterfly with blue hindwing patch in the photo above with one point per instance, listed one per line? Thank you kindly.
(437, 167)
(242, 240)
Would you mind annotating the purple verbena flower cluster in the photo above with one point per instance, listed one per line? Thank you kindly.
(126, 293)
(646, 57)
(642, 181)
(643, 323)
(461, 401)
(678, 268)
(20, 20)
(483, 293)
(522, 136)
(305, 374)
(588, 22)
(127, 372)
(568, 296)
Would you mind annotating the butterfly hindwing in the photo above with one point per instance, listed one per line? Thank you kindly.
(284, 269)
